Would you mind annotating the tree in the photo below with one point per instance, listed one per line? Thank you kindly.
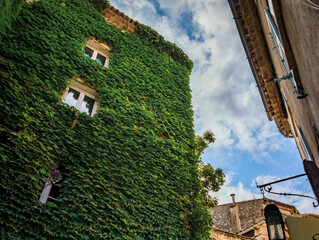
(212, 179)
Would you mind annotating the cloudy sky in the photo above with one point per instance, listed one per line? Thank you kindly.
(226, 101)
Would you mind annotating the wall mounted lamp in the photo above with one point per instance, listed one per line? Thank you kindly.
(275, 223)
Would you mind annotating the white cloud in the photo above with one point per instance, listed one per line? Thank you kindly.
(295, 186)
(305, 205)
(242, 193)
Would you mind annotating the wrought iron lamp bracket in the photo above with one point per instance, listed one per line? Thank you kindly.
(268, 188)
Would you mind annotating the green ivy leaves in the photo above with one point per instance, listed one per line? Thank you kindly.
(130, 171)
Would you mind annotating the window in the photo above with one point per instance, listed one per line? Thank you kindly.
(51, 190)
(274, 33)
(81, 97)
(315, 131)
(304, 145)
(250, 233)
(98, 52)
(276, 38)
(271, 9)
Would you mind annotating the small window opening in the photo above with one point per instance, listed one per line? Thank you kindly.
(81, 97)
(251, 233)
(89, 52)
(51, 189)
(97, 51)
(101, 59)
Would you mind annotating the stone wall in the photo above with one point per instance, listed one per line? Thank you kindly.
(221, 217)
(301, 24)
(251, 219)
(250, 213)
(119, 19)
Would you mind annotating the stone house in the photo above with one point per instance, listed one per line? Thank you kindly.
(245, 219)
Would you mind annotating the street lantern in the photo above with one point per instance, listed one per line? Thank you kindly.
(275, 224)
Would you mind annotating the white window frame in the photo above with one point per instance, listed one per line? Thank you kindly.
(45, 195)
(45, 192)
(279, 47)
(271, 8)
(84, 91)
(99, 48)
(275, 33)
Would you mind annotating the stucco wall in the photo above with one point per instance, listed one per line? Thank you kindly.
(301, 23)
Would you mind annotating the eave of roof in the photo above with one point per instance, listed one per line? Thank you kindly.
(242, 34)
(252, 227)
(251, 35)
(283, 205)
(233, 235)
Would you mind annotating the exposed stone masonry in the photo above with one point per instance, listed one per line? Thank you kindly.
(251, 224)
(250, 213)
(119, 19)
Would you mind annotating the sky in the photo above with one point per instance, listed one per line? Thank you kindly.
(225, 99)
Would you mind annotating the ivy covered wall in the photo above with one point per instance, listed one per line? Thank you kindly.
(130, 171)
(9, 10)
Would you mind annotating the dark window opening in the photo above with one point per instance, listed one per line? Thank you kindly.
(55, 192)
(88, 52)
(101, 59)
(52, 187)
(251, 233)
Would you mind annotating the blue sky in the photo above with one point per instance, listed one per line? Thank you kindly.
(225, 100)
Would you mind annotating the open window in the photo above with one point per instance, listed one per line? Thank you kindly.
(82, 97)
(97, 51)
(51, 189)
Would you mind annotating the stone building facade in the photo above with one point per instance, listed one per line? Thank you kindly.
(245, 219)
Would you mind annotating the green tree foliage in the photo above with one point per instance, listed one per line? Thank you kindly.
(203, 142)
(130, 172)
(9, 10)
(212, 179)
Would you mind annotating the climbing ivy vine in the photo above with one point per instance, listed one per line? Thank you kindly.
(131, 171)
(9, 10)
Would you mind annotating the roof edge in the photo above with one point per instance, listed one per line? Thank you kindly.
(250, 31)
